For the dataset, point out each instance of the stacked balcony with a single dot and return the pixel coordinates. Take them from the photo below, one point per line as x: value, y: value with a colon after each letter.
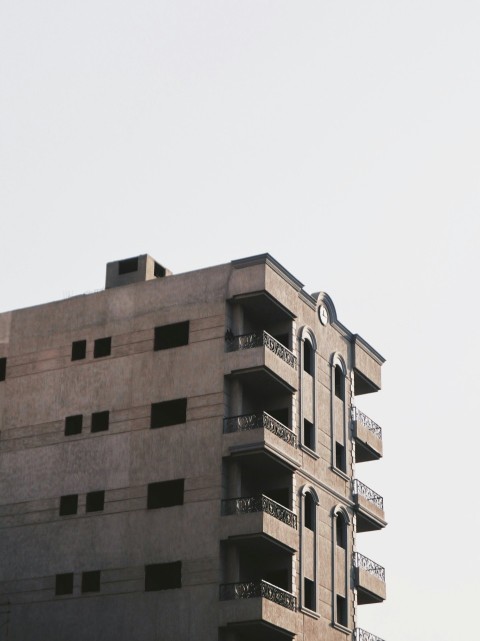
x: 363, y: 635
x: 368, y: 507
x: 369, y: 580
x: 368, y: 437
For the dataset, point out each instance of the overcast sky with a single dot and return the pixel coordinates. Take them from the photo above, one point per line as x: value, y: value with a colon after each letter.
x: 341, y: 137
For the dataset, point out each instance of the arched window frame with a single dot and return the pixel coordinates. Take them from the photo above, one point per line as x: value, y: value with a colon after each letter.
x: 307, y: 334
x: 338, y: 364
x: 340, y: 512
x: 310, y: 491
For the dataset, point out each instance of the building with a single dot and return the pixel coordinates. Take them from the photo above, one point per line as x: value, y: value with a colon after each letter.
x: 178, y: 460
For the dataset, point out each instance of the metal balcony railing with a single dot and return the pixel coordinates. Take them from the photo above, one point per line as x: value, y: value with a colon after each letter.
x: 259, y: 339
x: 259, y: 420
x: 357, y: 415
x: 367, y: 493
x: 262, y: 503
x: 256, y: 589
x: 360, y: 561
x: 363, y: 635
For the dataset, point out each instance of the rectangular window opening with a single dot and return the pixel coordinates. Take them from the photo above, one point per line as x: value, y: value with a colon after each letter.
x: 68, y: 504
x: 127, y: 266
x: 309, y: 594
x: 73, y: 424
x: 340, y: 457
x: 342, y: 610
x: 165, y: 494
x: 158, y: 271
x: 163, y: 576
x: 174, y: 335
x: 3, y: 368
x: 102, y: 347
x: 91, y: 581
x: 168, y: 413
x: 308, y: 434
x: 64, y: 583
x: 79, y: 350
x: 100, y: 421
x: 95, y: 501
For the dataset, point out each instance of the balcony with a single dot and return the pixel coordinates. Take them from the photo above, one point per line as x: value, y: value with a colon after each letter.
x: 259, y: 420
x: 249, y: 352
x: 368, y: 437
x: 369, y: 580
x: 260, y: 514
x: 363, y: 635
x: 369, y: 508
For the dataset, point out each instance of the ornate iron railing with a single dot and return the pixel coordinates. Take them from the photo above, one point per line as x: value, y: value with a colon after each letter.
x: 366, y: 492
x: 363, y: 635
x: 357, y: 415
x: 256, y: 589
x: 262, y: 503
x: 360, y: 561
x: 259, y: 339
x: 259, y: 420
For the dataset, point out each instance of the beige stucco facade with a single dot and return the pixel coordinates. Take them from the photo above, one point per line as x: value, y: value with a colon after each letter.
x: 193, y: 477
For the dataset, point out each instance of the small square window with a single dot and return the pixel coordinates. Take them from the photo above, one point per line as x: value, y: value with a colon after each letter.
x: 68, y: 504
x: 91, y: 581
x: 79, y: 350
x: 100, y: 421
x: 165, y: 494
x: 64, y: 583
x: 95, y: 501
x: 163, y: 576
x: 174, y: 335
x: 102, y: 347
x: 3, y: 368
x: 73, y: 424
x: 168, y: 413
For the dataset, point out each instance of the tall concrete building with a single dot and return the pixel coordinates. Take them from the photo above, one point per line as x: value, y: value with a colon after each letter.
x: 178, y: 461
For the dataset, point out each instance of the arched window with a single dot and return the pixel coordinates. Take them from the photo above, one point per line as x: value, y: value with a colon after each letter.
x: 339, y: 383
x: 308, y: 390
x: 341, y: 531
x: 308, y: 359
x: 308, y: 549
x: 309, y: 514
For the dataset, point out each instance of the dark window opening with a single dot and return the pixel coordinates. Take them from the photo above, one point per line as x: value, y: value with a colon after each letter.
x: 341, y: 532
x: 73, y: 424
x: 308, y: 359
x: 127, y: 266
x: 79, y: 350
x: 163, y: 576
x: 283, y: 339
x: 158, y: 270
x: 339, y: 383
x: 309, y: 594
x: 102, y: 347
x: 309, y: 519
x: 308, y: 434
x: 280, y: 578
x: 165, y: 494
x: 280, y: 495
x: 174, y: 335
x: 280, y: 415
x: 95, y: 501
x: 68, y: 504
x: 100, y: 421
x: 64, y: 583
x: 168, y: 413
x: 342, y: 610
x: 91, y: 581
x: 3, y: 368
x: 340, y: 457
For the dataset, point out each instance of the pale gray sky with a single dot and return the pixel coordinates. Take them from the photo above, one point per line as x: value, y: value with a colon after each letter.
x: 341, y: 137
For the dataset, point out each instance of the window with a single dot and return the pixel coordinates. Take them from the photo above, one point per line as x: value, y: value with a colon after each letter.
x: 102, y: 347
x: 308, y: 434
x: 68, y: 504
x: 127, y: 266
x: 168, y: 413
x: 100, y: 421
x: 91, y: 581
x: 174, y: 335
x: 95, y: 501
x: 165, y: 494
x: 158, y: 270
x: 3, y: 368
x: 163, y: 576
x: 341, y: 532
x: 309, y: 594
x: 340, y: 457
x: 342, y: 610
x: 79, y: 350
x: 308, y: 359
x: 339, y: 383
x: 64, y: 584
x: 309, y: 520
x: 73, y: 424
